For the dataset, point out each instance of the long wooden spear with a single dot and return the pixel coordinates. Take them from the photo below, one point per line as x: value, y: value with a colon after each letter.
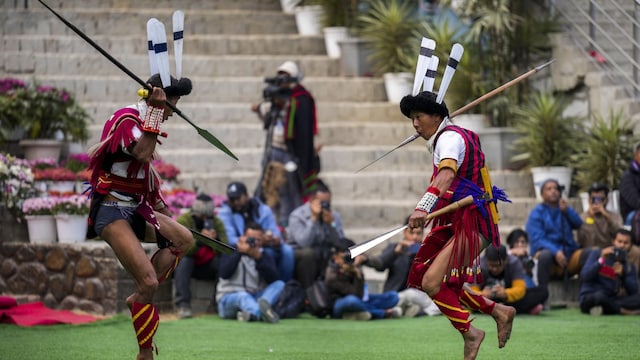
x: 202, y: 132
x: 475, y: 102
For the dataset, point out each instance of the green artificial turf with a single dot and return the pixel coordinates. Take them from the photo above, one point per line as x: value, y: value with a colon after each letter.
x: 556, y: 334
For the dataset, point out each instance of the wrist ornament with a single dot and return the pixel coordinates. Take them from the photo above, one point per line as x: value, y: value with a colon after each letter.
x: 429, y: 200
x: 153, y: 118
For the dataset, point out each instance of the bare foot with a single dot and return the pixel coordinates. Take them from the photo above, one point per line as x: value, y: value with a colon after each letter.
x: 503, y: 315
x: 472, y: 340
x: 145, y: 354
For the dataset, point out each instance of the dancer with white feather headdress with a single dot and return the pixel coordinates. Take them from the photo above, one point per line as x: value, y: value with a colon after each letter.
x: 127, y: 205
x: 447, y: 257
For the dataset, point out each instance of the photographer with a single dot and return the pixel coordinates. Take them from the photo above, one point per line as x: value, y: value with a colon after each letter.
x: 239, y: 210
x: 314, y: 229
x: 504, y: 281
x: 609, y: 280
x: 349, y: 293
x: 249, y: 285
x: 599, y: 225
x: 550, y: 227
x: 288, y: 114
x: 200, y: 261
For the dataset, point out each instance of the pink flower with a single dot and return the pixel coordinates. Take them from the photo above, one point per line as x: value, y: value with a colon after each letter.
x: 39, y: 206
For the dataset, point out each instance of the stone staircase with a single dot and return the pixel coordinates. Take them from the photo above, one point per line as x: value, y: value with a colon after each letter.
x: 610, y: 84
x: 230, y: 46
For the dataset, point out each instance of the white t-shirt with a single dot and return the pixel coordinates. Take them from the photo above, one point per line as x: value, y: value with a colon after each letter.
x: 450, y: 145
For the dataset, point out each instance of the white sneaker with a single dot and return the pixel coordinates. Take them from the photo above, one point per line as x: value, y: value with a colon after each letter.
x: 184, y: 312
x: 596, y: 310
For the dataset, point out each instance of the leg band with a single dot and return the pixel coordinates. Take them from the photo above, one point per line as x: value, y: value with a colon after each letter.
x: 145, y: 323
x: 174, y: 264
x: 447, y: 301
x: 476, y: 302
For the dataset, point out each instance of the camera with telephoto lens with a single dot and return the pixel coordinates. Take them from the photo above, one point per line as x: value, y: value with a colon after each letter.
x: 619, y: 255
x: 274, y: 89
x: 251, y: 241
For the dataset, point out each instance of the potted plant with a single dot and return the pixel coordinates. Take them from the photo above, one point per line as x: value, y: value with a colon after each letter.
x: 59, y: 180
x: 308, y: 15
x: 338, y: 16
x: 16, y: 183
x: 71, y: 218
x: 391, y: 32
x: 607, y: 152
x: 47, y: 114
x: 41, y: 224
x: 548, y: 138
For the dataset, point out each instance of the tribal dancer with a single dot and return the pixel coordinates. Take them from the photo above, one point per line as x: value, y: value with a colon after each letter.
x: 446, y: 258
x: 127, y: 206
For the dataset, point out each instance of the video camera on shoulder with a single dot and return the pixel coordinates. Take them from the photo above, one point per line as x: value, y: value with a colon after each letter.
x: 274, y: 89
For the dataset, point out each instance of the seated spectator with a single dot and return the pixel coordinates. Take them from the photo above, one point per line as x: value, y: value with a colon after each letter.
x: 630, y: 194
x: 503, y: 281
x: 349, y: 293
x: 598, y: 224
x: 314, y: 229
x: 397, y: 259
x: 609, y: 280
x: 518, y: 242
x: 249, y: 285
x: 240, y: 209
x: 200, y: 261
x: 550, y: 228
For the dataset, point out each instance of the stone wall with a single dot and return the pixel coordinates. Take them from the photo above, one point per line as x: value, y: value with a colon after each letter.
x: 86, y: 276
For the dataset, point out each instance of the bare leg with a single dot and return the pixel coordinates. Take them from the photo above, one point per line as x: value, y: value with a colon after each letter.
x: 132, y: 256
x: 472, y: 341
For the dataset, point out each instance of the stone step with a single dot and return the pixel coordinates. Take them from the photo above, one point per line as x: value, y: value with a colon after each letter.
x: 205, y: 114
x: 123, y: 21
x: 246, y: 135
x: 271, y: 5
x: 334, y: 158
x: 221, y: 89
x: 259, y: 65
x: 194, y: 44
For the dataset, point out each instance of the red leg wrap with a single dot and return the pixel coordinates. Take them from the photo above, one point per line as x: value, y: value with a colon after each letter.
x: 476, y: 302
x: 174, y: 264
x: 145, y: 322
x: 447, y: 301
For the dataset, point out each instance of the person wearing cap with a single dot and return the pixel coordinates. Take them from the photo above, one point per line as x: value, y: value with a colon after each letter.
x: 599, y: 225
x: 201, y: 261
x: 127, y: 206
x: 289, y: 116
x: 240, y: 209
x: 445, y: 261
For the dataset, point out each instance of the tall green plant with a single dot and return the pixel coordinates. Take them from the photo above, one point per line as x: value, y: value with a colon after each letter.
x: 547, y: 137
x: 608, y: 149
x: 512, y: 37
x: 391, y: 30
x: 339, y: 12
